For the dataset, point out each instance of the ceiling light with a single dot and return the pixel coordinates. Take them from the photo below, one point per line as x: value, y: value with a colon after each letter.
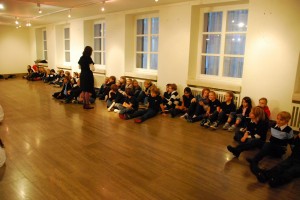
x: 1, y: 6
x: 103, y: 8
x: 156, y: 0
x: 69, y: 15
x: 17, y: 22
x: 39, y: 6
x: 28, y: 24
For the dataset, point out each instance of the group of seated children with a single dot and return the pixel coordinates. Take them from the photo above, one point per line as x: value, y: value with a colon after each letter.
x: 251, y: 124
x: 253, y: 134
x: 71, y: 91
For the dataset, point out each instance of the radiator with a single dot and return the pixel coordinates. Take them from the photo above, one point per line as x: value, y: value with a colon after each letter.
x: 295, y: 120
x: 220, y: 94
x: 98, y: 79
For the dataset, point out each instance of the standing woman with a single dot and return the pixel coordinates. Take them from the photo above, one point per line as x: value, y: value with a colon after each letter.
x: 86, y: 64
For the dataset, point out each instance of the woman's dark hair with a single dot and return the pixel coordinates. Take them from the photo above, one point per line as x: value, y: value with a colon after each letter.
x: 87, y: 51
x: 248, y: 101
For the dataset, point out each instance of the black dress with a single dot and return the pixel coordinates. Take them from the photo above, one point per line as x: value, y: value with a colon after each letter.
x: 86, y: 75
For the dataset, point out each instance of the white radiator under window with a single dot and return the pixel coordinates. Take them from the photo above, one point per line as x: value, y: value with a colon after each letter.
x: 220, y: 94
x: 295, y: 120
x: 98, y: 80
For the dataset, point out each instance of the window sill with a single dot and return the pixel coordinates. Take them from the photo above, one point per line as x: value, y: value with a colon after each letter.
x: 145, y: 76
x: 64, y: 67
x: 214, y: 84
x: 296, y: 98
x: 99, y: 71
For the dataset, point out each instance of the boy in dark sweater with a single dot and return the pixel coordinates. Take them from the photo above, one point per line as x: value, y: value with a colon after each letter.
x: 154, y: 106
x: 130, y: 104
x: 281, y: 136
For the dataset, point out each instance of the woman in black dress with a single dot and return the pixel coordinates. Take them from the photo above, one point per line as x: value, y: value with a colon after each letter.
x: 86, y: 76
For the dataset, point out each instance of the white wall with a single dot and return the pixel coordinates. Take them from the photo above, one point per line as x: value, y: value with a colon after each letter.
x: 77, y: 42
x: 174, y: 36
x: 15, y: 50
x: 115, y: 45
x: 272, y: 52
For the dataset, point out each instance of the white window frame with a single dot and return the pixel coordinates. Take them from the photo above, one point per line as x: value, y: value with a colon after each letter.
x: 224, y: 9
x: 149, y: 35
x: 64, y: 46
x: 101, y: 66
x: 45, y: 49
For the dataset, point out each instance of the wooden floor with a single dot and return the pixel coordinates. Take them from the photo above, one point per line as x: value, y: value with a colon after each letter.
x: 59, y: 151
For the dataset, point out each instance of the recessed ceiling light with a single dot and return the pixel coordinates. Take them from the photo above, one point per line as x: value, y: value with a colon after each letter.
x: 1, y: 6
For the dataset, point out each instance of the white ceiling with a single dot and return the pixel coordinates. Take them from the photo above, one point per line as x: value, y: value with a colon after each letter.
x: 58, y: 10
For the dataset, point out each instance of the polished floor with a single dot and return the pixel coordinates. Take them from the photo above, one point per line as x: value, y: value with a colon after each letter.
x: 59, y: 151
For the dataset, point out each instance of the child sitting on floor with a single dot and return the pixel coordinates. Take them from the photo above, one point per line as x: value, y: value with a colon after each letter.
x: 154, y: 106
x: 227, y: 107
x: 281, y: 136
x: 285, y: 171
x: 130, y: 104
x: 186, y: 102
x: 239, y: 116
x: 213, y: 110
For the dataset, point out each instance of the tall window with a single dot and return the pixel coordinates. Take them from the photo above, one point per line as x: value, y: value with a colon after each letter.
x: 147, y: 35
x: 223, y: 39
x: 67, y: 44
x: 45, y: 51
x: 99, y: 43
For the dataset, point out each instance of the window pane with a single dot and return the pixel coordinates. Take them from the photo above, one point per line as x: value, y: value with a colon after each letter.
x: 155, y: 25
x: 212, y: 22
x: 153, y: 61
x: 142, y: 26
x: 67, y: 44
x: 235, y: 44
x: 97, y: 30
x: 97, y: 58
x: 237, y: 21
x: 233, y: 67
x: 210, y: 65
x: 211, y: 43
x: 45, y: 45
x: 103, y: 44
x: 104, y: 60
x: 141, y: 60
x: 67, y: 56
x: 44, y: 35
x: 142, y: 44
x: 97, y: 44
x: 154, y: 44
x: 67, y: 33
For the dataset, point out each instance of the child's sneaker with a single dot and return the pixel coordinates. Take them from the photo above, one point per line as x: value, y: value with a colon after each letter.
x: 138, y: 120
x: 126, y: 116
x: 207, y: 123
x: 226, y: 126
x: 231, y: 128
x: 214, y: 125
x: 111, y: 107
x: 184, y: 116
x: 121, y: 116
x: 203, y: 121
x: 116, y: 111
